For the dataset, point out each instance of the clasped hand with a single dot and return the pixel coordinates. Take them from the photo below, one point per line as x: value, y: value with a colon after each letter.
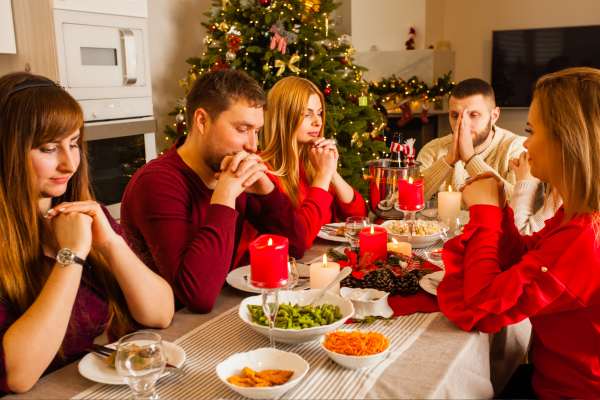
x: 485, y: 188
x: 243, y: 172
x: 79, y: 225
x: 462, y: 142
x: 324, y: 156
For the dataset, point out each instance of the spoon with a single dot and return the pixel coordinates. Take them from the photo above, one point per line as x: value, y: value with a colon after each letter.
x: 341, y: 275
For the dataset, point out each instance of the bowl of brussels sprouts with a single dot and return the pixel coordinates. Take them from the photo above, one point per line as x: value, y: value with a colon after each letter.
x: 298, y: 320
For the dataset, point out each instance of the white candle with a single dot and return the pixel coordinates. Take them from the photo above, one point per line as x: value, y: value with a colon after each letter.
x: 399, y: 247
x: 321, y: 273
x: 449, y: 205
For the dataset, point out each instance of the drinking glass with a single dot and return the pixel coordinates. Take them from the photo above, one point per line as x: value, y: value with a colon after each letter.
x: 454, y: 225
x: 141, y: 360
x: 270, y: 305
x: 293, y: 274
x: 352, y: 228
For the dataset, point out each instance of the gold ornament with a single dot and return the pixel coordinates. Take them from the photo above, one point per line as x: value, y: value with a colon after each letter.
x: 223, y: 26
x: 281, y: 65
x: 312, y: 5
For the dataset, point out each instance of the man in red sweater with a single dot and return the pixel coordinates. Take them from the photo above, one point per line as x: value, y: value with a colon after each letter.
x: 184, y: 211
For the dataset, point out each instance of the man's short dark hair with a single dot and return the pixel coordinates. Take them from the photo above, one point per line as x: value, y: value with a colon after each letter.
x: 216, y: 91
x: 472, y: 87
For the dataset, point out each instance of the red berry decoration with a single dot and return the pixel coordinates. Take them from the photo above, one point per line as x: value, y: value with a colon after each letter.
x: 327, y: 91
x: 265, y: 3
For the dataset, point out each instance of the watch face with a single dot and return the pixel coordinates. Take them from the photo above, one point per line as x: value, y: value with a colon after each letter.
x: 65, y: 256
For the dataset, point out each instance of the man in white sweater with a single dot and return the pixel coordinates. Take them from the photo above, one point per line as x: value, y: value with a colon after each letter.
x: 476, y: 144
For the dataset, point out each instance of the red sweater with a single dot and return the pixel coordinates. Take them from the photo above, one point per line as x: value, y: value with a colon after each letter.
x: 170, y: 223
x: 495, y: 277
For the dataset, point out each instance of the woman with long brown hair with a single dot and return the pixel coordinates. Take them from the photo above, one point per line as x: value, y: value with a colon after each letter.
x: 305, y: 162
x: 66, y: 274
x: 496, y: 277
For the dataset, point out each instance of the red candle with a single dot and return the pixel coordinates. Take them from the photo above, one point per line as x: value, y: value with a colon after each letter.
x: 373, y: 243
x: 268, y: 261
x: 410, y: 194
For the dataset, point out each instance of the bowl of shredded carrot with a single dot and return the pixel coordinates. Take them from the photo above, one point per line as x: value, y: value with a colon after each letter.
x: 356, y: 349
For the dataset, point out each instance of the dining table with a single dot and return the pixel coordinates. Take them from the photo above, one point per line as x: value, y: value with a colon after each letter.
x: 433, y: 358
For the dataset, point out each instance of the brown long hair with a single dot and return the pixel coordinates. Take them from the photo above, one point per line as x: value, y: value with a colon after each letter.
x: 569, y: 104
x: 33, y: 111
x: 286, y: 105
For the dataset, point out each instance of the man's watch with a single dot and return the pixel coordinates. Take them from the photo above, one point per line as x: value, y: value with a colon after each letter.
x: 66, y: 256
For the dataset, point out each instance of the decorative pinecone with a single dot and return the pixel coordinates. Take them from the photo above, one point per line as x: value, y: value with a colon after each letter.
x: 352, y: 282
x: 381, y: 279
x: 407, y: 284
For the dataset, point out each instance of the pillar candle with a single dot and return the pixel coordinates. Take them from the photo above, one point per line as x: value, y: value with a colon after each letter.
x: 373, y: 243
x: 268, y: 261
x: 449, y: 205
x: 322, y: 273
x: 399, y: 247
x: 411, y: 194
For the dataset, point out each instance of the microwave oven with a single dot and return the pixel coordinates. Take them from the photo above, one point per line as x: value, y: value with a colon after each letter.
x: 103, y: 62
x: 116, y: 149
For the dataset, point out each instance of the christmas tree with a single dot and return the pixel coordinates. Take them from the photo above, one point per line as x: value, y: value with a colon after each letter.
x: 271, y: 39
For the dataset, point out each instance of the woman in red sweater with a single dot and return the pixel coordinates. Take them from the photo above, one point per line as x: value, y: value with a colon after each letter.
x: 496, y: 277
x: 305, y: 162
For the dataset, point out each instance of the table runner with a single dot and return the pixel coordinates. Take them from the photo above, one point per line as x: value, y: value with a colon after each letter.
x: 226, y: 334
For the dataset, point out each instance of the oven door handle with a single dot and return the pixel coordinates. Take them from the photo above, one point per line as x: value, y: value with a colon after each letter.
x: 129, y: 56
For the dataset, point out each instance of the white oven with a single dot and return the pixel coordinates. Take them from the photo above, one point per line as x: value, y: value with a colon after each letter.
x: 103, y: 62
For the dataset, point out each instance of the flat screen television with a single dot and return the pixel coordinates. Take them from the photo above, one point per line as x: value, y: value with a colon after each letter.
x: 520, y: 57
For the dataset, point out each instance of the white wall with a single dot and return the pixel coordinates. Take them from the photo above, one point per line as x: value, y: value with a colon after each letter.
x: 175, y: 34
x: 385, y: 23
x: 468, y: 25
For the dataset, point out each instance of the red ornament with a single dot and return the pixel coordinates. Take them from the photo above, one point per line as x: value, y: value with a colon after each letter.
x: 233, y: 42
x: 327, y: 91
x: 344, y: 61
x: 265, y: 3
x: 219, y: 65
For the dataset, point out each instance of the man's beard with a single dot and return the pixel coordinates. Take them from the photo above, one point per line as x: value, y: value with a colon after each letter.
x: 483, y: 134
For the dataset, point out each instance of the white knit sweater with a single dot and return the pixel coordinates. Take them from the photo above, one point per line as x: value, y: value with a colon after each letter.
x: 438, y: 174
x: 531, y: 207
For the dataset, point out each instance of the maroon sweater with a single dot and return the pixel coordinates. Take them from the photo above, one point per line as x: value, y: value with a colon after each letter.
x: 170, y: 223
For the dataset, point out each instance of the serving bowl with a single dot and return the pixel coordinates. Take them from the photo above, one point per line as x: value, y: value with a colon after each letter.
x: 300, y: 297
x: 258, y: 360
x: 368, y: 302
x: 355, y: 362
x: 397, y: 230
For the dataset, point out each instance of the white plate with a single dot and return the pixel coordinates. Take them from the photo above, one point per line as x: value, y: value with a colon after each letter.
x: 95, y: 369
x: 430, y: 282
x: 334, y: 238
x: 238, y: 278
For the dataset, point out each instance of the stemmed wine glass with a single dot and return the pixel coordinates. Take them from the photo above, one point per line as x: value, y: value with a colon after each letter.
x: 352, y: 228
x: 141, y: 360
x: 270, y: 268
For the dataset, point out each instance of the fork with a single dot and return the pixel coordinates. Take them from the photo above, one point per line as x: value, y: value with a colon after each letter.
x: 106, y: 351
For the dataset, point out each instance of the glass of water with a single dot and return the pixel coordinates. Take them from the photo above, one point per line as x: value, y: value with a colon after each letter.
x: 352, y: 228
x: 141, y: 360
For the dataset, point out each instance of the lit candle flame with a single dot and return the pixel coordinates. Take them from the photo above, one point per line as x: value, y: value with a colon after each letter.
x: 394, y: 241
x: 449, y: 188
x: 270, y: 242
x: 410, y: 180
x: 372, y: 229
x: 324, y: 260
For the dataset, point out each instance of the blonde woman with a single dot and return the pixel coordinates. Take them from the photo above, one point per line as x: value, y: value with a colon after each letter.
x: 66, y: 275
x: 294, y: 147
x: 496, y: 277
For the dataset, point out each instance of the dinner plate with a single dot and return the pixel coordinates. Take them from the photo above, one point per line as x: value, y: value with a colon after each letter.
x: 94, y: 368
x: 430, y: 282
x: 239, y: 277
x: 325, y: 234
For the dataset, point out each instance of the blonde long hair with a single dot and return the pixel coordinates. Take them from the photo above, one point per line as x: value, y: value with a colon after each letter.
x: 569, y: 104
x: 286, y: 105
x: 35, y: 111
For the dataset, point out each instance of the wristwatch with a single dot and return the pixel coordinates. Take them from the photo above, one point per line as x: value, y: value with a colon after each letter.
x: 66, y: 256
